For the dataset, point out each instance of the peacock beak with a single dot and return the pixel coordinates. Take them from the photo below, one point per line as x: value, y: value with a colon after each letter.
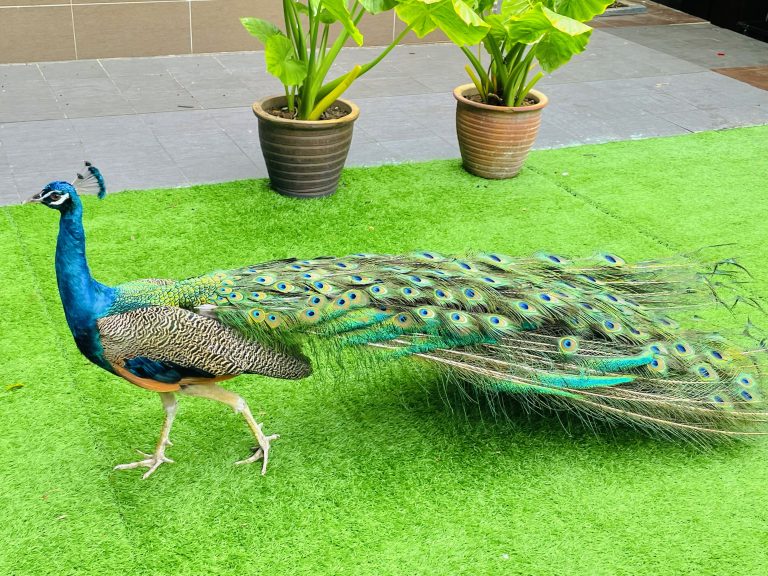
x: 34, y: 199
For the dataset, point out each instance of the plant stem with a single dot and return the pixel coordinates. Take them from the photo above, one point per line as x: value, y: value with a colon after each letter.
x: 475, y: 61
x: 331, y: 96
x: 336, y: 81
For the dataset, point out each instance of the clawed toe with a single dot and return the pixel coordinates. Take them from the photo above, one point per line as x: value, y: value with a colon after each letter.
x: 151, y: 461
x: 260, y: 452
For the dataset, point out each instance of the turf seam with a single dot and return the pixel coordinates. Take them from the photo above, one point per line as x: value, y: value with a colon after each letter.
x: 599, y: 207
x: 97, y: 447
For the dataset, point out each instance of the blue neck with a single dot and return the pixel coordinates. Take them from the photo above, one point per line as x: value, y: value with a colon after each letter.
x: 84, y: 299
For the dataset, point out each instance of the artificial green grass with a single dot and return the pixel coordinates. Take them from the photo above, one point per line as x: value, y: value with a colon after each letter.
x: 374, y: 473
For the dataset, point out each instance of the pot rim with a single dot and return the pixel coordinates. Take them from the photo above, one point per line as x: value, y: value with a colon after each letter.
x: 460, y: 93
x: 262, y: 114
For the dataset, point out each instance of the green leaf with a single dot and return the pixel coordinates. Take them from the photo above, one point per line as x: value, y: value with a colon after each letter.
x: 262, y: 29
x: 581, y: 10
x: 498, y: 29
x: 516, y: 7
x: 564, y: 23
x: 338, y: 9
x: 377, y: 6
x: 454, y: 17
x: 531, y: 26
x: 282, y: 62
x: 302, y: 8
x: 556, y: 48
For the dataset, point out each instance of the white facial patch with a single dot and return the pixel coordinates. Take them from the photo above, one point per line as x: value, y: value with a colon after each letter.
x: 64, y: 197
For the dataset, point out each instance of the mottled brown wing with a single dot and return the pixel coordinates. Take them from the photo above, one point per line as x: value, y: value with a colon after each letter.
x: 191, y: 341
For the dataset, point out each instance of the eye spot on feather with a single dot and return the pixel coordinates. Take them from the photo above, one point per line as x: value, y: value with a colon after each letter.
x: 718, y: 399
x: 553, y: 258
x: 586, y: 305
x: 545, y: 297
x: 494, y: 320
x: 256, y: 316
x: 568, y: 344
x: 469, y: 293
x: 495, y: 258
x: 523, y: 305
x: 716, y: 355
x: 745, y: 380
x: 746, y: 395
x: 465, y: 266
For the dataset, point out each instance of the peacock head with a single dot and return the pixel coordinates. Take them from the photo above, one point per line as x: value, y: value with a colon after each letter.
x: 57, y: 195
x: 62, y: 196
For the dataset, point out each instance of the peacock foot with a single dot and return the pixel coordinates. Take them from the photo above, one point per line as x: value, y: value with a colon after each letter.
x: 151, y: 461
x: 261, y: 451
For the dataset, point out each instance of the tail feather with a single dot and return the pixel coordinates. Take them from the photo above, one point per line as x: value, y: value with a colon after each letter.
x: 595, y: 337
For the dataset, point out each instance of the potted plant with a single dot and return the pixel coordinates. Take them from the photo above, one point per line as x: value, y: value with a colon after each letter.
x: 306, y: 132
x: 498, y: 115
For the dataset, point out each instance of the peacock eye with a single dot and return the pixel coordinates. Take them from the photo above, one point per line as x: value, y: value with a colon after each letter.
x: 54, y: 196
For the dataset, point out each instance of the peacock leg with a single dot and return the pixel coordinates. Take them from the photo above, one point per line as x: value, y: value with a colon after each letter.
x: 239, y: 405
x: 153, y: 461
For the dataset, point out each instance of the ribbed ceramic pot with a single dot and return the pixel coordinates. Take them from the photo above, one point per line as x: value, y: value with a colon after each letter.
x: 304, y: 157
x: 495, y: 140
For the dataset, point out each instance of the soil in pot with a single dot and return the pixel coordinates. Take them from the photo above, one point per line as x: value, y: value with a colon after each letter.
x: 333, y: 112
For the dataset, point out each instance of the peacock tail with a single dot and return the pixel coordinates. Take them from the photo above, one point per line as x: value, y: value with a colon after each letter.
x: 593, y: 336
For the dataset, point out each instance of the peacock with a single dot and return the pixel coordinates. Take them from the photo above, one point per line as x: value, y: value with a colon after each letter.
x: 592, y: 336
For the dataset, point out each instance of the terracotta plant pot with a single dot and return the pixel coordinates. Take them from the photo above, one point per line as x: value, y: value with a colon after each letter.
x: 495, y: 140
x: 304, y: 157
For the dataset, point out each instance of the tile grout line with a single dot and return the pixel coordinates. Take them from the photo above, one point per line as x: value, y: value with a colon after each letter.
x: 74, y: 32
x: 191, y: 45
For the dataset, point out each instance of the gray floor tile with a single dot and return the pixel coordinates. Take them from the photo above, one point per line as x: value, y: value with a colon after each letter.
x: 134, y: 66
x: 370, y: 154
x: 703, y: 44
x: 421, y: 148
x: 147, y: 83
x: 163, y: 102
x: 72, y: 72
x: 14, y: 74
x: 217, y: 170
x: 123, y: 176
x: 223, y: 97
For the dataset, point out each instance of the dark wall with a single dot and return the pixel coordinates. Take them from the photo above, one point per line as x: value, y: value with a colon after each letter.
x: 725, y: 13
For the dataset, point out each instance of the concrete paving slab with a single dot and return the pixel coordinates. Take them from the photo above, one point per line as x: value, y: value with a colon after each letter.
x: 703, y: 44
